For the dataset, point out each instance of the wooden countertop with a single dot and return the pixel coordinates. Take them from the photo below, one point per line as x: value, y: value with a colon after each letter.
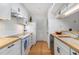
x: 73, y: 43
x: 4, y: 41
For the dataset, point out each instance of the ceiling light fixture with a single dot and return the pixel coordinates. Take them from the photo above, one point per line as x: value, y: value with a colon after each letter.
x: 72, y: 10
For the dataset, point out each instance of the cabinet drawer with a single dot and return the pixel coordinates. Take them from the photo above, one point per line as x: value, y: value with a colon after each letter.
x: 65, y: 47
x: 4, y: 51
x: 62, y: 45
x: 64, y: 52
x: 14, y: 48
x: 13, y: 53
x: 16, y: 45
x: 56, y: 50
x: 73, y: 52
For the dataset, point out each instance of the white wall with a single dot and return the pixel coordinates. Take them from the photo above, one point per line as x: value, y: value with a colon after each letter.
x: 9, y: 27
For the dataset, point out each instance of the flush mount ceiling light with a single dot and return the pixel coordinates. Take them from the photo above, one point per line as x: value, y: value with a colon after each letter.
x: 72, y: 10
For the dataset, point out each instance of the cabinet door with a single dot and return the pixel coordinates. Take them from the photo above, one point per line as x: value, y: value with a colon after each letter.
x: 64, y: 49
x: 16, y: 48
x: 4, y: 51
x: 12, y: 49
x: 64, y: 52
x: 61, y: 48
x: 56, y: 47
x: 20, y: 13
x: 5, y: 11
x: 57, y: 50
x: 21, y: 21
x: 73, y: 52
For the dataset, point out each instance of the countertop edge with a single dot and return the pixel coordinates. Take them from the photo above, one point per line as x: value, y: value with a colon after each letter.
x: 9, y: 43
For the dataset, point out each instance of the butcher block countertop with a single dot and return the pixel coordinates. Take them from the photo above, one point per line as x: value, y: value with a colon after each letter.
x: 5, y: 41
x: 66, y: 39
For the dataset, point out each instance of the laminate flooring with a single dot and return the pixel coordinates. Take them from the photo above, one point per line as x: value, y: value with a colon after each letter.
x: 40, y: 48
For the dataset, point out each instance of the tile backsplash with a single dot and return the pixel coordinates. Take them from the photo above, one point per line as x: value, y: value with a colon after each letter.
x: 9, y: 28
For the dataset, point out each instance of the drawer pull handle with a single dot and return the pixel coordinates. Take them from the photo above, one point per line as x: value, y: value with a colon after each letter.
x: 58, y: 49
x: 10, y: 46
x: 74, y: 53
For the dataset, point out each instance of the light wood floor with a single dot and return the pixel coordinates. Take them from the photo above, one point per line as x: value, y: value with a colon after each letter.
x: 40, y: 48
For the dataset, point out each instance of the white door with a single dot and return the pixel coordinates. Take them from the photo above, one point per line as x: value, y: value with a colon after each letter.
x: 42, y: 29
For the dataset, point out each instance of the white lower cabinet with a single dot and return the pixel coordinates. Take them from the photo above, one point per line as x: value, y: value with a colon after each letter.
x: 73, y: 52
x: 56, y: 47
x: 56, y: 50
x: 64, y: 52
x: 12, y: 49
x: 60, y: 48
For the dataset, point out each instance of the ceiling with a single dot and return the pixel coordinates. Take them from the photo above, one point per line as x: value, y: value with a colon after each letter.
x: 37, y: 8
x: 42, y: 8
x: 56, y: 7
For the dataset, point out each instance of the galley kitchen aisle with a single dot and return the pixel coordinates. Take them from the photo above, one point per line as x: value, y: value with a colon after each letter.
x: 39, y: 29
x: 39, y: 13
x: 23, y: 28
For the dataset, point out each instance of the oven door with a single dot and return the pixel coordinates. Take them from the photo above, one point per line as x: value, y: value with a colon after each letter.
x: 24, y: 45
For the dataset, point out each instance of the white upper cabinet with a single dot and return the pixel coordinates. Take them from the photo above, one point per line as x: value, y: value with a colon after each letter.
x: 18, y: 11
x: 5, y: 11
